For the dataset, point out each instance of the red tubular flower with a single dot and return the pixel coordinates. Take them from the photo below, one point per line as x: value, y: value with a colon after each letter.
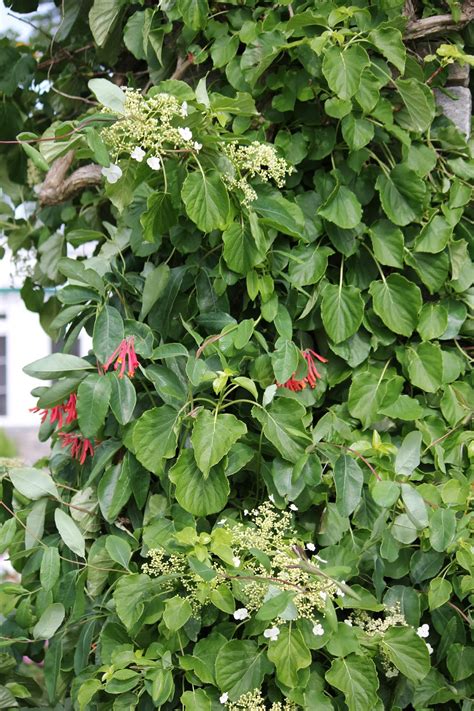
x: 56, y: 413
x: 123, y: 353
x: 312, y: 376
x: 80, y: 446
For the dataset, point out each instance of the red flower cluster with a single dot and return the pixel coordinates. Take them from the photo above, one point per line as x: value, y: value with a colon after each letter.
x: 80, y: 446
x: 309, y: 379
x: 62, y: 414
x: 125, y: 351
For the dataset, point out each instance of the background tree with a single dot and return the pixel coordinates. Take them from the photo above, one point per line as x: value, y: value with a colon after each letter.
x: 258, y: 490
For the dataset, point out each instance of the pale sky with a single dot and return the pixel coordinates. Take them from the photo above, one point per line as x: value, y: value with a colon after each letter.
x: 7, y: 24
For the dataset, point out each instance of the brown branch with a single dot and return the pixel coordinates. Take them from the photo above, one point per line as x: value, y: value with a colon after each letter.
x: 182, y: 65
x: 438, y: 24
x: 56, y: 188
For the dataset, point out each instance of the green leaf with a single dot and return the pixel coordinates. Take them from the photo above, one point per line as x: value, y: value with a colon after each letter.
x: 387, y: 243
x: 289, y: 653
x: 425, y: 366
x: 397, y: 302
x: 123, y: 398
x: 442, y: 529
x: 403, y: 529
x: 404, y: 408
x: 196, y: 700
x: 176, y: 613
x: 434, y: 236
x: 282, y: 425
x: 285, y: 360
x: 155, y: 284
x: 108, y: 333
x: 241, y: 253
x: 240, y: 667
x: 357, y: 132
x: 432, y: 322
x: 155, y: 437
x: 224, y: 49
x: 342, y: 208
x: 93, y: 397
x: 33, y: 483
x: 115, y: 488
x: 206, y: 200
x: 70, y: 533
x: 159, y: 218
x: 308, y: 265
x: 49, y: 622
x: 407, y: 652
x: 56, y: 366
x: 402, y: 194
x: 194, y: 13
x: 102, y: 18
x: 366, y: 394
x: 131, y: 594
x: 460, y: 661
x: 357, y: 678
x: 342, y: 310
x: 385, y: 493
x: 108, y: 94
x: 439, y: 592
x: 419, y: 101
x: 409, y: 454
x: 213, y: 436
x: 278, y: 212
x: 415, y: 505
x: 199, y: 495
x: 119, y: 550
x: 50, y: 567
x: 342, y: 69
x: 390, y: 43
x: 348, y: 478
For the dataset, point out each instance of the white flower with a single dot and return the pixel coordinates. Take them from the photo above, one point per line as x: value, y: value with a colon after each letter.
x: 185, y: 133
x: 154, y: 162
x: 246, y: 512
x: 311, y: 547
x: 293, y: 507
x: 197, y: 146
x: 323, y: 595
x: 236, y: 561
x: 341, y: 592
x: 272, y: 498
x: 430, y: 648
x: 321, y: 560
x: 112, y: 173
x: 184, y: 109
x: 241, y: 614
x: 348, y: 623
x: 318, y: 630
x: 138, y: 154
x: 224, y: 698
x: 272, y: 633
x: 423, y: 631
x: 221, y: 522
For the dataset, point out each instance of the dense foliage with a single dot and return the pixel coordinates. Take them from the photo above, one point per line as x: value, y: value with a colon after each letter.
x: 258, y: 494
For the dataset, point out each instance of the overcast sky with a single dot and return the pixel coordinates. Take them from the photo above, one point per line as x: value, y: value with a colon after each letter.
x: 9, y: 24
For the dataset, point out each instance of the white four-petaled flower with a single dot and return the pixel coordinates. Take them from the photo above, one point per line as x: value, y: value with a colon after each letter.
x: 154, y: 162
x: 184, y: 109
x: 430, y: 648
x: 272, y: 633
x: 318, y: 630
x: 185, y: 133
x: 311, y: 547
x: 236, y: 561
x: 241, y: 614
x: 112, y: 173
x: 323, y: 595
x: 341, y: 592
x: 197, y: 146
x: 423, y: 631
x: 138, y: 154
x: 224, y: 698
x: 293, y: 507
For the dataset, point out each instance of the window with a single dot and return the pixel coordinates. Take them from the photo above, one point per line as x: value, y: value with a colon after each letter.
x: 3, y: 375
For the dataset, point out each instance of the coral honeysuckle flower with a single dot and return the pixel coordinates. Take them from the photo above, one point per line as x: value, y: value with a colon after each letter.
x: 80, y: 446
x: 312, y: 376
x: 124, y: 355
x: 57, y: 413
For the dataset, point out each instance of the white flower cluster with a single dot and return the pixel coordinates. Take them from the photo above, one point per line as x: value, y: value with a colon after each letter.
x: 149, y: 128
x: 255, y: 160
x: 254, y: 701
